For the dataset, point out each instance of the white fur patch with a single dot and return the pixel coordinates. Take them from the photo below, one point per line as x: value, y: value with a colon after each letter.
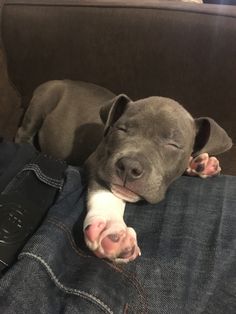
x: 104, y: 205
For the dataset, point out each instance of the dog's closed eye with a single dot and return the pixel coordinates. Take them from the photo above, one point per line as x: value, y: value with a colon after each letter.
x: 121, y: 128
x: 174, y: 145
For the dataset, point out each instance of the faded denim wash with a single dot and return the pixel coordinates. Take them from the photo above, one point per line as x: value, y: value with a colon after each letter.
x: 188, y: 262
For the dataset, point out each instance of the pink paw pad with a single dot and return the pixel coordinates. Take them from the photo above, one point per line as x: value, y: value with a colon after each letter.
x: 93, y: 231
x: 112, y: 240
x: 203, y: 166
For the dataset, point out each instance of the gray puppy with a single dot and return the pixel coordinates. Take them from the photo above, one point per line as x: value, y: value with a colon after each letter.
x: 132, y: 150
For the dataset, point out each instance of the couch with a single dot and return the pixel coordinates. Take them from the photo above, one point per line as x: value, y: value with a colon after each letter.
x: 180, y: 50
x: 141, y: 48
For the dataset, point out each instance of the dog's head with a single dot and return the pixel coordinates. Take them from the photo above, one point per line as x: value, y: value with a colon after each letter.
x: 147, y: 144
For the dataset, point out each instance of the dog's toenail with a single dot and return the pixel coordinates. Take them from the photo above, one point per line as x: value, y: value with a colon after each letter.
x: 114, y: 237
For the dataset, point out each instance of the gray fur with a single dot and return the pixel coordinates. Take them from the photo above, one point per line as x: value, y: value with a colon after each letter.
x: 145, y: 145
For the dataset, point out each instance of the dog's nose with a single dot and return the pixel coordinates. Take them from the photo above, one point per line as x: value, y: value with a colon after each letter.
x: 129, y: 169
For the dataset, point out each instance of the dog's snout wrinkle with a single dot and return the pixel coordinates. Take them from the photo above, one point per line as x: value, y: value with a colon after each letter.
x: 129, y: 169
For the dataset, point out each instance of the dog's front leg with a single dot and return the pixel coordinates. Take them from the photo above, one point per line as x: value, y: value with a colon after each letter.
x: 105, y: 231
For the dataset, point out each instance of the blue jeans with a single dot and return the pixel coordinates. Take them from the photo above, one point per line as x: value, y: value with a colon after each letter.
x: 188, y: 262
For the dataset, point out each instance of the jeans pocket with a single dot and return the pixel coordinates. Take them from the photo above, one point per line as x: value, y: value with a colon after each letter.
x: 107, y: 287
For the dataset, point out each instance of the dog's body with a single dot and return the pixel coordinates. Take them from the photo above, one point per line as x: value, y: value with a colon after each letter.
x: 70, y: 134
x: 144, y: 146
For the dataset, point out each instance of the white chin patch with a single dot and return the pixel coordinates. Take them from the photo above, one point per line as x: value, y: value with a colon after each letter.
x: 124, y: 194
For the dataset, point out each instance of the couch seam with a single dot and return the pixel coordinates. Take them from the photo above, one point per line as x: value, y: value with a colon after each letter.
x: 163, y: 7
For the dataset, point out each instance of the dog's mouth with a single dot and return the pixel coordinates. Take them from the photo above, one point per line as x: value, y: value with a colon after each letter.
x: 124, y: 193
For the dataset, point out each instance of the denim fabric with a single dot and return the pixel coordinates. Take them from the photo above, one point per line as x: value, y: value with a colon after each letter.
x: 188, y: 262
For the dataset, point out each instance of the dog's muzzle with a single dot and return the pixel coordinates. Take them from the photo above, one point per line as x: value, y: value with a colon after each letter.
x: 124, y: 193
x: 129, y: 169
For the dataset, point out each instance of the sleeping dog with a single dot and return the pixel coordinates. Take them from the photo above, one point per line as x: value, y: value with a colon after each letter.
x: 131, y: 150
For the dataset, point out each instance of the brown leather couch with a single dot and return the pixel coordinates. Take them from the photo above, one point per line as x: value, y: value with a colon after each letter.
x: 141, y: 48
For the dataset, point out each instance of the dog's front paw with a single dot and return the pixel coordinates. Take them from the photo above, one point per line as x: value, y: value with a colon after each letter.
x: 111, y: 239
x: 203, y: 166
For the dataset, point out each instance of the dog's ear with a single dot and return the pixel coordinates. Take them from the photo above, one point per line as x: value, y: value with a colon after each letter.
x: 112, y: 110
x: 210, y: 138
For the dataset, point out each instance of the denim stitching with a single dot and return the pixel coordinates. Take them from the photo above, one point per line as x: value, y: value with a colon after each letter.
x: 38, y: 171
x: 133, y: 279
x: 69, y: 237
x: 57, y: 183
x: 83, y: 294
x: 126, y: 307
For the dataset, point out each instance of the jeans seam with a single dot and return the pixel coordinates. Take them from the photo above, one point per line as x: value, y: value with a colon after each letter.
x: 85, y: 295
x: 57, y: 183
x: 69, y: 237
x: 136, y: 284
x: 126, y: 308
x: 131, y: 277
